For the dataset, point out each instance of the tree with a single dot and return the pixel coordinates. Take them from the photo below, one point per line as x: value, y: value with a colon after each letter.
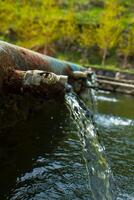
x: 87, y: 40
x: 126, y: 44
x: 87, y: 36
x: 68, y: 28
x: 110, y: 27
x: 38, y: 23
x: 7, y: 18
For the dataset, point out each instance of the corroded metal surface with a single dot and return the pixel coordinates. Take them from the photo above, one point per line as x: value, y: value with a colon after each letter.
x: 38, y: 77
x: 35, y: 82
x: 17, y: 58
x: 24, y: 72
x: 25, y: 92
x: 24, y: 59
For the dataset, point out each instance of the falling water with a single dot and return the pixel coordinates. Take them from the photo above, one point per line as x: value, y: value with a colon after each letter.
x: 97, y: 168
x: 56, y: 153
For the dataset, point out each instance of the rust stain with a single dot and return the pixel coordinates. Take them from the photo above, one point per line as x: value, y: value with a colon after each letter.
x: 17, y: 58
x: 68, y: 70
x: 24, y: 59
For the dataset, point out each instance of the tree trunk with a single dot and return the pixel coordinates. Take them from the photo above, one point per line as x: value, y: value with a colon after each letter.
x: 104, y: 56
x: 125, y: 61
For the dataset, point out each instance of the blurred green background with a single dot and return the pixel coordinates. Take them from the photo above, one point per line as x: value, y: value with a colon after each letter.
x: 89, y: 32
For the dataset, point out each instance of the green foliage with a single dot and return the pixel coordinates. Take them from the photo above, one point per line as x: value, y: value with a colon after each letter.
x: 126, y: 42
x: 110, y: 27
x: 87, y: 36
x: 8, y: 15
x: 35, y: 23
x: 89, y: 26
x: 90, y: 16
x: 68, y: 28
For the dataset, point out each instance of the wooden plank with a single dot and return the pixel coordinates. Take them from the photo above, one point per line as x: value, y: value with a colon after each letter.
x: 115, y: 79
x: 116, y: 83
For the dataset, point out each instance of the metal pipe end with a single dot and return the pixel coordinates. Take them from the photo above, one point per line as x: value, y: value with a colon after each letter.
x: 63, y: 79
x: 79, y: 74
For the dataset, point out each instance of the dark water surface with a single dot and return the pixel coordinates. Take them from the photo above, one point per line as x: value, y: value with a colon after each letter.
x: 57, y: 153
x: 116, y: 132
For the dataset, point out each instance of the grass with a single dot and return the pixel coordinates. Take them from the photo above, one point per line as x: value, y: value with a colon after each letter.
x: 89, y: 17
x: 75, y: 58
x: 111, y: 68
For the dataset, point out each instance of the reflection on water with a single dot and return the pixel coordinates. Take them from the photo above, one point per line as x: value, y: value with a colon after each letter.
x: 123, y: 105
x: 116, y: 132
x: 110, y: 121
x: 103, y: 98
x: 56, y: 154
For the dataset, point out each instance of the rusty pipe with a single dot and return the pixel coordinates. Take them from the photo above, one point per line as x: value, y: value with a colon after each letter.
x: 19, y: 58
x: 36, y: 82
x: 23, y: 59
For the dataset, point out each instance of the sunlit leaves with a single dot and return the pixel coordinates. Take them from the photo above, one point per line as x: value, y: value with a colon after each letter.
x: 126, y: 43
x: 87, y: 37
x: 110, y: 26
x: 88, y: 25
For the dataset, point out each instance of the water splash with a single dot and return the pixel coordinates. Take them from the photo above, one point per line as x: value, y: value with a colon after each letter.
x: 98, y: 171
x: 107, y: 99
x: 113, y: 122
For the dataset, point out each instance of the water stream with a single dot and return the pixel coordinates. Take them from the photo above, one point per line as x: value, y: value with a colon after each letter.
x: 98, y: 171
x: 65, y: 153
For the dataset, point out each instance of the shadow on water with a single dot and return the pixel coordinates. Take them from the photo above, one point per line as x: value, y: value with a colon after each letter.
x: 27, y: 141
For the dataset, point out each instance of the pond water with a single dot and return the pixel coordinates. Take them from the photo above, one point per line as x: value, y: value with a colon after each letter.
x: 64, y: 153
x: 115, y: 122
